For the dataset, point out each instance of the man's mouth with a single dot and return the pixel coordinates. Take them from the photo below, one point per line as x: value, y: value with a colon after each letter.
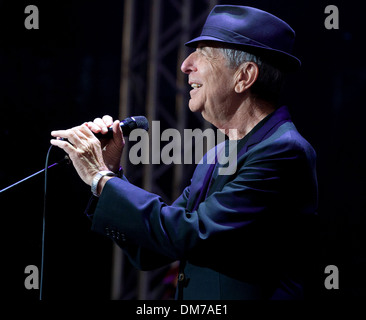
x: 196, y: 85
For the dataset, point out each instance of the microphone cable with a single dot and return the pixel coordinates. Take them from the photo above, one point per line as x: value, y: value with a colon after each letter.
x: 66, y: 160
x: 44, y: 223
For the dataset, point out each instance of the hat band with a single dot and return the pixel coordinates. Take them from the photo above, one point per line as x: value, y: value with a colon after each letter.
x: 230, y: 36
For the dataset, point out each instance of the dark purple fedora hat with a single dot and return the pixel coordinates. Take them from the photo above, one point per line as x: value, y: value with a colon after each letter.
x: 251, y: 30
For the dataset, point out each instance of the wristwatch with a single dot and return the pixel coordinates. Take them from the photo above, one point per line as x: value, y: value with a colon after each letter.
x: 97, y: 177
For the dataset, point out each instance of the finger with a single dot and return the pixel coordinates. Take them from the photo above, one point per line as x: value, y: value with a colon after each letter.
x: 64, y: 145
x: 93, y: 127
x: 108, y: 120
x: 74, y: 135
x: 99, y: 122
x: 65, y: 135
x: 117, y: 132
x: 85, y: 132
x: 58, y: 133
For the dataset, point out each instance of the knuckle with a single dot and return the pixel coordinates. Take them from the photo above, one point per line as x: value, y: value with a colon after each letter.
x: 71, y: 132
x: 107, y: 118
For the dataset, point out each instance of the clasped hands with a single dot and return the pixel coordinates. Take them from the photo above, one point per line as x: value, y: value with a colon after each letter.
x: 88, y: 154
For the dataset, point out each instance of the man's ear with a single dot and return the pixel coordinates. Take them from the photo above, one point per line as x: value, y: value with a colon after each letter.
x: 246, y: 75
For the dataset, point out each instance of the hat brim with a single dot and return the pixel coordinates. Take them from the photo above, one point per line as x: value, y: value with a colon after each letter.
x: 280, y: 59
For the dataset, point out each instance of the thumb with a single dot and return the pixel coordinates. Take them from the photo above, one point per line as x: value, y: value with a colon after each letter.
x: 118, y: 134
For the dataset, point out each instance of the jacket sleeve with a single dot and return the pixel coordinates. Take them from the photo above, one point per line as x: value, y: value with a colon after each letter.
x: 253, y: 199
x: 141, y: 256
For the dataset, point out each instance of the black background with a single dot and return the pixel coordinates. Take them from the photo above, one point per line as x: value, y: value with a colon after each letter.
x: 68, y: 72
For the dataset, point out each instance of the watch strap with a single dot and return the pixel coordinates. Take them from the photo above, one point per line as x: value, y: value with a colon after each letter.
x: 96, y: 179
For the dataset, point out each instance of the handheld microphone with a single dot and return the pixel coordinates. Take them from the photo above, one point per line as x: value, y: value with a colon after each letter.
x: 127, y: 125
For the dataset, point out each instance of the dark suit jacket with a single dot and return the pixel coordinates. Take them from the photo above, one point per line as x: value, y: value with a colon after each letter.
x: 249, y: 235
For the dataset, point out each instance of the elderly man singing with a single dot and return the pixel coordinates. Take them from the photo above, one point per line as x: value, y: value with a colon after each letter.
x: 245, y: 235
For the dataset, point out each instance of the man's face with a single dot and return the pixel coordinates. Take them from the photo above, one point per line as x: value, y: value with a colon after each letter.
x: 213, y: 83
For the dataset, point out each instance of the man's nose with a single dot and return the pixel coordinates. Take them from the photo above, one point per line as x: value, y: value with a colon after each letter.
x: 188, y: 64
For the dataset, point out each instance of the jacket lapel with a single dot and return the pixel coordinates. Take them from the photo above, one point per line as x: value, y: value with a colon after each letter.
x: 276, y: 119
x: 271, y: 123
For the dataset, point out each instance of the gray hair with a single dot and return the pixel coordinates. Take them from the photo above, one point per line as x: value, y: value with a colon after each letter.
x: 270, y: 79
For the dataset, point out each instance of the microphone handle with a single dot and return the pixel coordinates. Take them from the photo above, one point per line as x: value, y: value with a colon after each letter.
x: 108, y: 135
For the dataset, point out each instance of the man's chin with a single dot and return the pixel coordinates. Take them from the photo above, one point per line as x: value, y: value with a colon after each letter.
x: 193, y: 107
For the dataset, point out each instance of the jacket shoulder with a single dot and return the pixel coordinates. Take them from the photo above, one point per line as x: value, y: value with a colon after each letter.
x: 285, y: 138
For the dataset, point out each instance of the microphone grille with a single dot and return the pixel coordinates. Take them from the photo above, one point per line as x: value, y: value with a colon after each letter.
x: 141, y: 122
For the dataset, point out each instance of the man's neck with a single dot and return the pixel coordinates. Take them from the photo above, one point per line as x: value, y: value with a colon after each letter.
x: 246, y: 117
